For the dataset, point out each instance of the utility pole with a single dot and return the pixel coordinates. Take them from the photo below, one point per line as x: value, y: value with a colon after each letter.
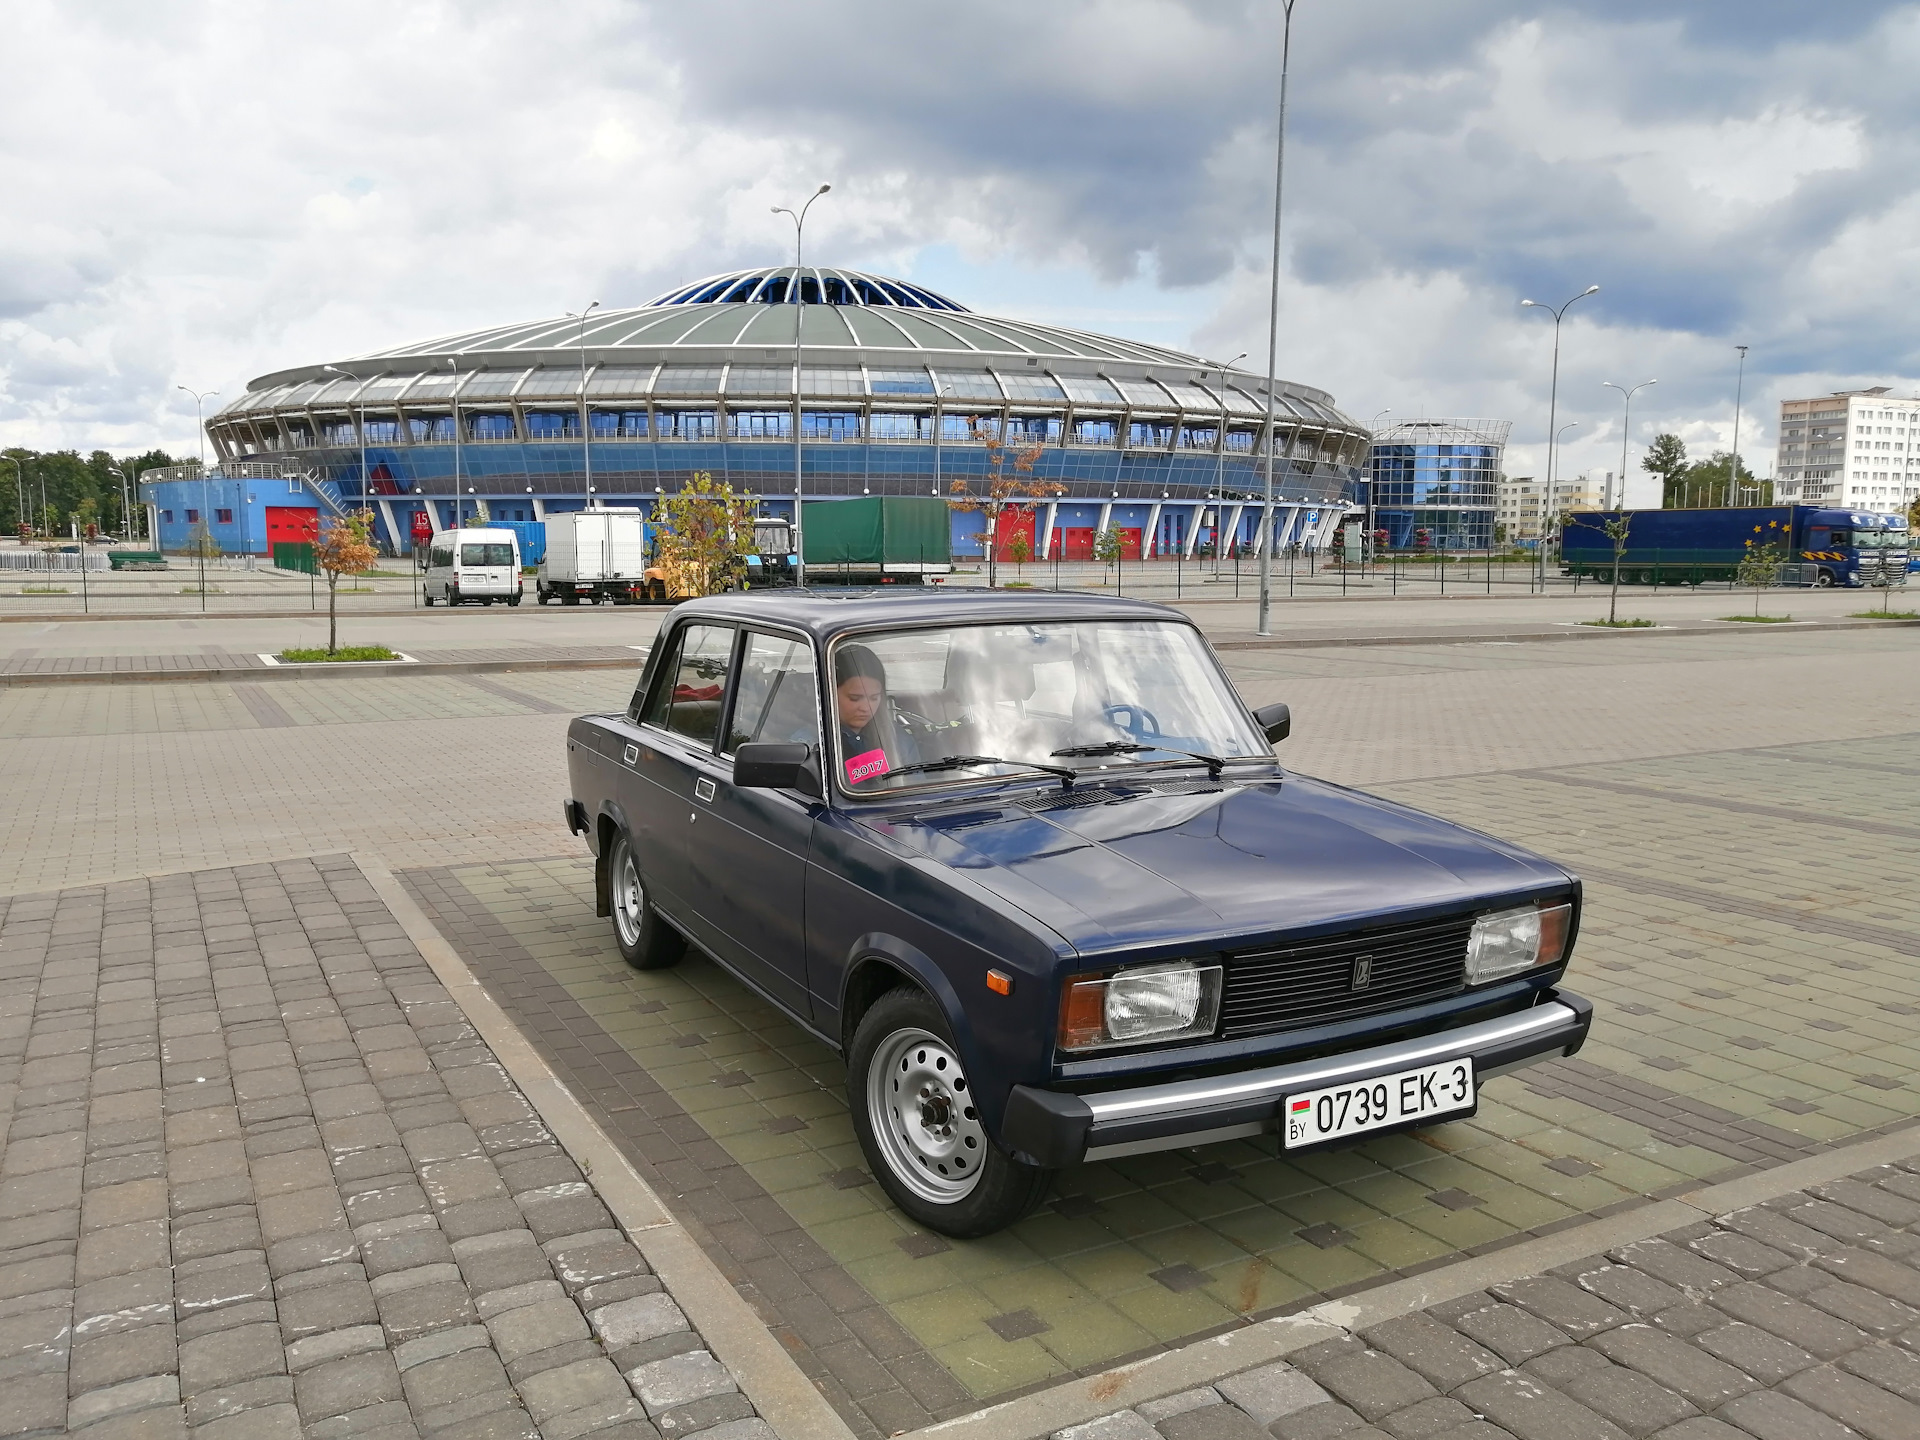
x: 206, y: 519
x: 1553, y: 412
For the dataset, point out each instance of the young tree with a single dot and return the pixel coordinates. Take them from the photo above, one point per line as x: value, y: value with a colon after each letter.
x: 1106, y: 547
x: 1667, y: 458
x: 1012, y: 495
x: 1759, y: 567
x: 701, y: 532
x: 345, y: 547
x: 1019, y: 551
x: 1615, y: 530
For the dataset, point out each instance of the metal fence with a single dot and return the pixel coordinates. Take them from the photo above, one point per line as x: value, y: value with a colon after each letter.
x: 45, y: 561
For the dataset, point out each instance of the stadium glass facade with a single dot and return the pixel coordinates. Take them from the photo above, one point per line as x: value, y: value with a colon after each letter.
x: 899, y: 391
x: 1435, y: 484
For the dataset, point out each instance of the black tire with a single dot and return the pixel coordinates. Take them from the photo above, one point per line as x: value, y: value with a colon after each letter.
x: 453, y: 596
x: 426, y: 597
x: 1823, y: 579
x: 513, y: 600
x: 939, y: 1166
x: 646, y: 941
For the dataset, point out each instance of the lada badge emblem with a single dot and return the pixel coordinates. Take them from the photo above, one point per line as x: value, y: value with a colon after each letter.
x: 1363, y: 972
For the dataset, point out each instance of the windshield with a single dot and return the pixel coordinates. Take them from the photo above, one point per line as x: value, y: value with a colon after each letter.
x: 1082, y: 696
x: 1880, y: 539
x: 478, y: 555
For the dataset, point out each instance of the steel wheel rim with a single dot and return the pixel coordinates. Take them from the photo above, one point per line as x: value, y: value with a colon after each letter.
x: 921, y: 1109
x: 629, y: 898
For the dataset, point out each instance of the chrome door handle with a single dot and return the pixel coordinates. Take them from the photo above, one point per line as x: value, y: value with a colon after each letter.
x: 703, y: 789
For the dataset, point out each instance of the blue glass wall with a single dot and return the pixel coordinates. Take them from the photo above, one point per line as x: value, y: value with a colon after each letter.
x: 1449, y: 491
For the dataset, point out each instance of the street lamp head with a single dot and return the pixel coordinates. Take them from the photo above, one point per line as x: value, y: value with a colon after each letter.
x: 1525, y: 303
x: 823, y: 189
x: 1591, y: 290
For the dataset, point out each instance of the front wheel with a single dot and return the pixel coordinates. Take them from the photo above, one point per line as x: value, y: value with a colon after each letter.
x: 913, y: 1110
x: 646, y: 941
x: 513, y: 600
x: 1823, y: 580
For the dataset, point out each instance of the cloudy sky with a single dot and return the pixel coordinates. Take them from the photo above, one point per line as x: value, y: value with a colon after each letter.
x: 202, y: 191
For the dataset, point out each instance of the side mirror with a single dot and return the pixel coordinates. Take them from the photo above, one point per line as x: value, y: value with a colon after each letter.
x: 1276, y: 721
x: 769, y: 765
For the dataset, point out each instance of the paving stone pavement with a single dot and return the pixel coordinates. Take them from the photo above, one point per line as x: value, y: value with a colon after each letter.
x: 260, y: 1178
x: 1796, y: 1319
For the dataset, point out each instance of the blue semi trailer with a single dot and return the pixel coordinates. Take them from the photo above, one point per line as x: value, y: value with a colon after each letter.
x: 1687, y: 547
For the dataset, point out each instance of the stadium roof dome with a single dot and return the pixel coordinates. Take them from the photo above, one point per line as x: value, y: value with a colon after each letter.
x: 845, y: 317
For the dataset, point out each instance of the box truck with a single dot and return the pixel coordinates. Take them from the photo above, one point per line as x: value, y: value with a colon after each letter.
x: 594, y: 555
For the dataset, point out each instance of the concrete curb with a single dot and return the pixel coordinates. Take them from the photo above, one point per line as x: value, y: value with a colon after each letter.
x: 738, y: 1337
x: 1040, y: 1414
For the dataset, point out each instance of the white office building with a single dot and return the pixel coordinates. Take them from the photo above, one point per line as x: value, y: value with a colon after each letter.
x: 1854, y: 448
x: 1524, y: 503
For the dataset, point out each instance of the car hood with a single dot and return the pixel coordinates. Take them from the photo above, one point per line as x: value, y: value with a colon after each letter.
x: 1137, y: 866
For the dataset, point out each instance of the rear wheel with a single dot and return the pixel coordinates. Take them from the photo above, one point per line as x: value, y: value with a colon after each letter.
x: 914, y: 1113
x: 646, y: 941
x: 513, y: 600
x: 426, y: 597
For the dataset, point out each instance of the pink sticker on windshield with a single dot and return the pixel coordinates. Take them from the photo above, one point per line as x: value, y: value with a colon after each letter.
x: 867, y: 766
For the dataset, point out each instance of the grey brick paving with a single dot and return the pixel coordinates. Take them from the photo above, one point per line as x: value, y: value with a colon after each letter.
x: 260, y: 1179
x: 1663, y: 1338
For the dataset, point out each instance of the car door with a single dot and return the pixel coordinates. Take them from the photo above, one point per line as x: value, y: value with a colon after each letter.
x: 748, y: 853
x: 672, y: 759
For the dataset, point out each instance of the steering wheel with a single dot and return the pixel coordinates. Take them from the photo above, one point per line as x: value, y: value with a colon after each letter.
x: 1140, y: 722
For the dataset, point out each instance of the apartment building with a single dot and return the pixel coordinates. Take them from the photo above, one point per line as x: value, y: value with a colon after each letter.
x: 1857, y: 448
x: 1523, y: 500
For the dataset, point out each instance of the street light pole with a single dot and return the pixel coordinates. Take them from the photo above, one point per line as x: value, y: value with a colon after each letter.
x: 1373, y: 469
x: 1264, y: 626
x: 1553, y: 410
x: 1626, y: 419
x: 1220, y: 448
x: 586, y: 429
x: 206, y: 521
x: 454, y: 396
x: 359, y: 413
x: 20, y: 482
x: 1733, y: 470
x: 799, y: 315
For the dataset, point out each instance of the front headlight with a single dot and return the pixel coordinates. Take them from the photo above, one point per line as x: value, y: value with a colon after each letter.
x: 1511, y: 941
x: 1169, y: 1000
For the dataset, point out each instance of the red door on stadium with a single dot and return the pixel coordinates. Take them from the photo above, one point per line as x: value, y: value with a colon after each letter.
x: 1009, y: 524
x: 291, y: 525
x: 1073, y: 542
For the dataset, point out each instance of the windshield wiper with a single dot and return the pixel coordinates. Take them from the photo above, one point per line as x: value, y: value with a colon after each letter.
x: 966, y: 762
x: 1213, y: 763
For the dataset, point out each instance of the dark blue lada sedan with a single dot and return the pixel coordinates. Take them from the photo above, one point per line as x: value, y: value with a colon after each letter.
x: 1029, y: 863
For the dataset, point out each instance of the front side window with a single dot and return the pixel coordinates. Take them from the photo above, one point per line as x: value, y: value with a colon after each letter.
x: 441, y: 557
x: 1096, y: 697
x: 477, y: 556
x: 777, y: 699
x: 693, y: 691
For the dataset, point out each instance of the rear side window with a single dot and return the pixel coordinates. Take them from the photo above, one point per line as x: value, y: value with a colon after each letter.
x: 478, y: 555
x: 777, y: 699
x: 693, y: 686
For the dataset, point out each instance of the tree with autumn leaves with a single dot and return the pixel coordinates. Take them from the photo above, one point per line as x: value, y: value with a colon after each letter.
x: 701, y: 531
x: 1011, y: 491
x: 345, y: 547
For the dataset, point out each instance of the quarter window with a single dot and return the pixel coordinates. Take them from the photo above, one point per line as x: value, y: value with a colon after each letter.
x: 777, y: 699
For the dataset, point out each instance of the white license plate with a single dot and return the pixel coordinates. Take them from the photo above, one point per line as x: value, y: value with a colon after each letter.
x: 1374, y: 1104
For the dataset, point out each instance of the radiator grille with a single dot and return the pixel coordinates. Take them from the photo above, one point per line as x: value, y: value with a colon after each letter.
x: 1311, y: 983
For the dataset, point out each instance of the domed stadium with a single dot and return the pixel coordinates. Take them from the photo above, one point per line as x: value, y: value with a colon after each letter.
x: 900, y: 391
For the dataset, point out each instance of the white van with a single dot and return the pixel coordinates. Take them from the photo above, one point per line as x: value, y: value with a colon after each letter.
x: 468, y: 565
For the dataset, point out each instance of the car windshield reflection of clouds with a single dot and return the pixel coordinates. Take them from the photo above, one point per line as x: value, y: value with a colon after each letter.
x: 1023, y: 694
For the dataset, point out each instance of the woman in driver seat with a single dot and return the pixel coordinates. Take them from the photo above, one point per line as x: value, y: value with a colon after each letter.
x: 870, y: 743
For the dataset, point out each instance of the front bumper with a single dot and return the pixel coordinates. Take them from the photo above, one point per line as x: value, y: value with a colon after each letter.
x: 1054, y: 1128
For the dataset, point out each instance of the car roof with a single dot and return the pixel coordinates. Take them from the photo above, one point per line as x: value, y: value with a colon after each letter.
x: 829, y: 612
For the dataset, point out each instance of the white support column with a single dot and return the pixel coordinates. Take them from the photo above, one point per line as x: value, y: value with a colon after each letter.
x: 1106, y: 514
x: 1046, y: 533
x: 393, y: 530
x: 1193, y: 527
x: 1231, y: 530
x: 1151, y: 547
x: 539, y: 509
